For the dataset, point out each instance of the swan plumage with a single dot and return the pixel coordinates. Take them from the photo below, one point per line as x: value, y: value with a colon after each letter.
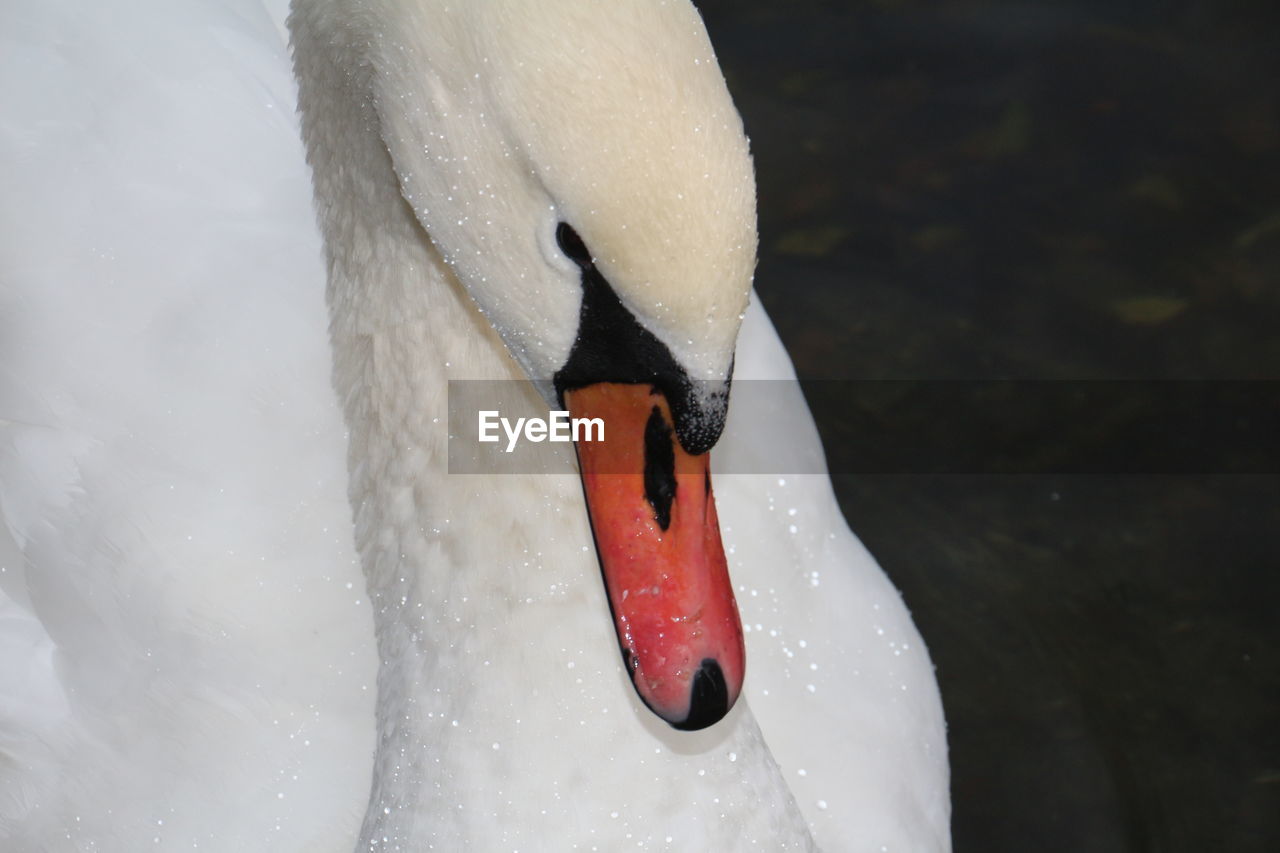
x: 186, y: 637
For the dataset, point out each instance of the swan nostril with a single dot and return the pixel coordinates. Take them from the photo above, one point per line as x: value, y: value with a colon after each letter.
x: 708, y: 700
x: 659, y: 467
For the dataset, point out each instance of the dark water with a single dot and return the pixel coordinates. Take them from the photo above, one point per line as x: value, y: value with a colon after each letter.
x: 1058, y: 190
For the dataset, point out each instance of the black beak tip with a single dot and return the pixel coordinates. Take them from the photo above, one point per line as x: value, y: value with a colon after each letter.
x: 708, y: 700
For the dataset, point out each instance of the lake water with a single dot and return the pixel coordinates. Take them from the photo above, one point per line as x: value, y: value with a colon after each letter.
x: 1075, y: 191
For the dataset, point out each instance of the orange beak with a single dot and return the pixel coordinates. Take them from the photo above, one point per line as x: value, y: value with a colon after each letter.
x: 653, y: 515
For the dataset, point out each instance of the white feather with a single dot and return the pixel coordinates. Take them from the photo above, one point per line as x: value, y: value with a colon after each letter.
x: 186, y: 646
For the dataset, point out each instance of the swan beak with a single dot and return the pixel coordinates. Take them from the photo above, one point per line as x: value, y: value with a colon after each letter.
x: 653, y: 515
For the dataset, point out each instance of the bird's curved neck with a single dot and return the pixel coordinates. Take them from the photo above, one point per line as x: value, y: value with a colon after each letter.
x: 499, y: 665
x: 401, y: 327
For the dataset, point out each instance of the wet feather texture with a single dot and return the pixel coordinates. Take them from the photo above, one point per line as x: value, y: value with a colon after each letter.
x: 229, y: 598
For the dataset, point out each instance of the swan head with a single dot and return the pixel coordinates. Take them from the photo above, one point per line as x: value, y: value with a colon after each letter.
x: 582, y: 169
x: 512, y: 125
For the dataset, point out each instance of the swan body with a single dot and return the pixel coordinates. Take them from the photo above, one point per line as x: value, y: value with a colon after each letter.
x: 187, y: 637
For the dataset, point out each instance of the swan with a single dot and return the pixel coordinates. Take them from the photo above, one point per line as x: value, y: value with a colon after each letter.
x: 241, y: 612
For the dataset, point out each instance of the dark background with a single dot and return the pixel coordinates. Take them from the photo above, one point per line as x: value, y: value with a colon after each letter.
x: 1080, y: 190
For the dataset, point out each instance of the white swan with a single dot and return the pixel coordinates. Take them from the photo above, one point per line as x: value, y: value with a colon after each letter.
x: 185, y: 643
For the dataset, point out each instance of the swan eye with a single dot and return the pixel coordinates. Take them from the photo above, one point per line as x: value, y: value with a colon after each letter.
x: 571, y: 244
